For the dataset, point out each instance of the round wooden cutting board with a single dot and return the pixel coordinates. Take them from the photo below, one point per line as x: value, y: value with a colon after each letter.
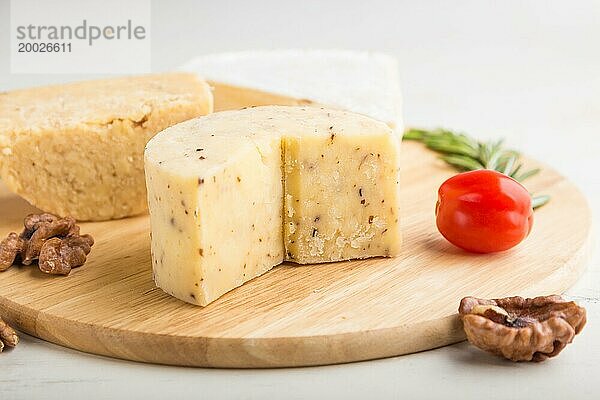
x: 296, y: 315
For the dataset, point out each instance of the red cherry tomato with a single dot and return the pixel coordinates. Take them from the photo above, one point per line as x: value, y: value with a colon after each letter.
x: 483, y: 211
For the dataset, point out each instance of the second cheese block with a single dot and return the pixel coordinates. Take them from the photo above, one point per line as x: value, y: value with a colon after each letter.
x: 358, y: 81
x: 77, y: 149
x: 235, y: 193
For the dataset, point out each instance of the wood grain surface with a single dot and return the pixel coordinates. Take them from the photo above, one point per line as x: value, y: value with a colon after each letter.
x: 296, y: 315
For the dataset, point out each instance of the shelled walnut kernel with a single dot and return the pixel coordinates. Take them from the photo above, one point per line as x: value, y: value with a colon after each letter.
x: 55, y: 242
x: 8, y: 336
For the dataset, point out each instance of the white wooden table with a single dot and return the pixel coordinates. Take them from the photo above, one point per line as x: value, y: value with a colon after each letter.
x: 528, y: 71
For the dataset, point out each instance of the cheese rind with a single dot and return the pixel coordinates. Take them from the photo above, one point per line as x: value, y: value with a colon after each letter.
x: 77, y: 149
x: 357, y: 81
x: 222, y: 190
x: 215, y: 212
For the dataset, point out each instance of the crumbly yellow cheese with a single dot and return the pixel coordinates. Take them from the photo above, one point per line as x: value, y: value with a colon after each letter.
x: 235, y: 193
x: 341, y: 193
x: 77, y: 149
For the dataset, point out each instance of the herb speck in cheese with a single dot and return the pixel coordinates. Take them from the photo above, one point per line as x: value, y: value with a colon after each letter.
x: 363, y: 161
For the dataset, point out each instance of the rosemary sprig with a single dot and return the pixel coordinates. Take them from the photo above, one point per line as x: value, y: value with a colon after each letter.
x: 467, y: 154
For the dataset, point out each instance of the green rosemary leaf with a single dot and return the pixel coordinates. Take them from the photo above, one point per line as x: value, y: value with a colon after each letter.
x: 444, y: 141
x: 461, y: 162
x: 467, y: 154
x: 494, y: 156
x: 508, y: 164
x: 527, y: 174
x: 538, y: 201
x: 515, y: 172
x: 414, y: 134
x: 450, y: 148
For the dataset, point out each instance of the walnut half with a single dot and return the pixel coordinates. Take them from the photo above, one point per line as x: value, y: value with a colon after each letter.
x: 55, y: 242
x: 8, y: 336
x: 522, y: 329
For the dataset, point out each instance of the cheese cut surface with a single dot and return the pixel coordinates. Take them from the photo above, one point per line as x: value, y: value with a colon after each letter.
x: 341, y: 195
x: 361, y: 82
x: 224, y: 190
x: 77, y: 149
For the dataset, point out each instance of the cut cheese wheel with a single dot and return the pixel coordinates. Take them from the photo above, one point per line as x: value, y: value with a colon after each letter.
x: 362, y: 82
x: 235, y: 193
x: 77, y: 149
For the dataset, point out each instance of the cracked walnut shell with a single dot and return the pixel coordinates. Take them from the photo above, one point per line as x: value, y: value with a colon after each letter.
x: 522, y: 329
